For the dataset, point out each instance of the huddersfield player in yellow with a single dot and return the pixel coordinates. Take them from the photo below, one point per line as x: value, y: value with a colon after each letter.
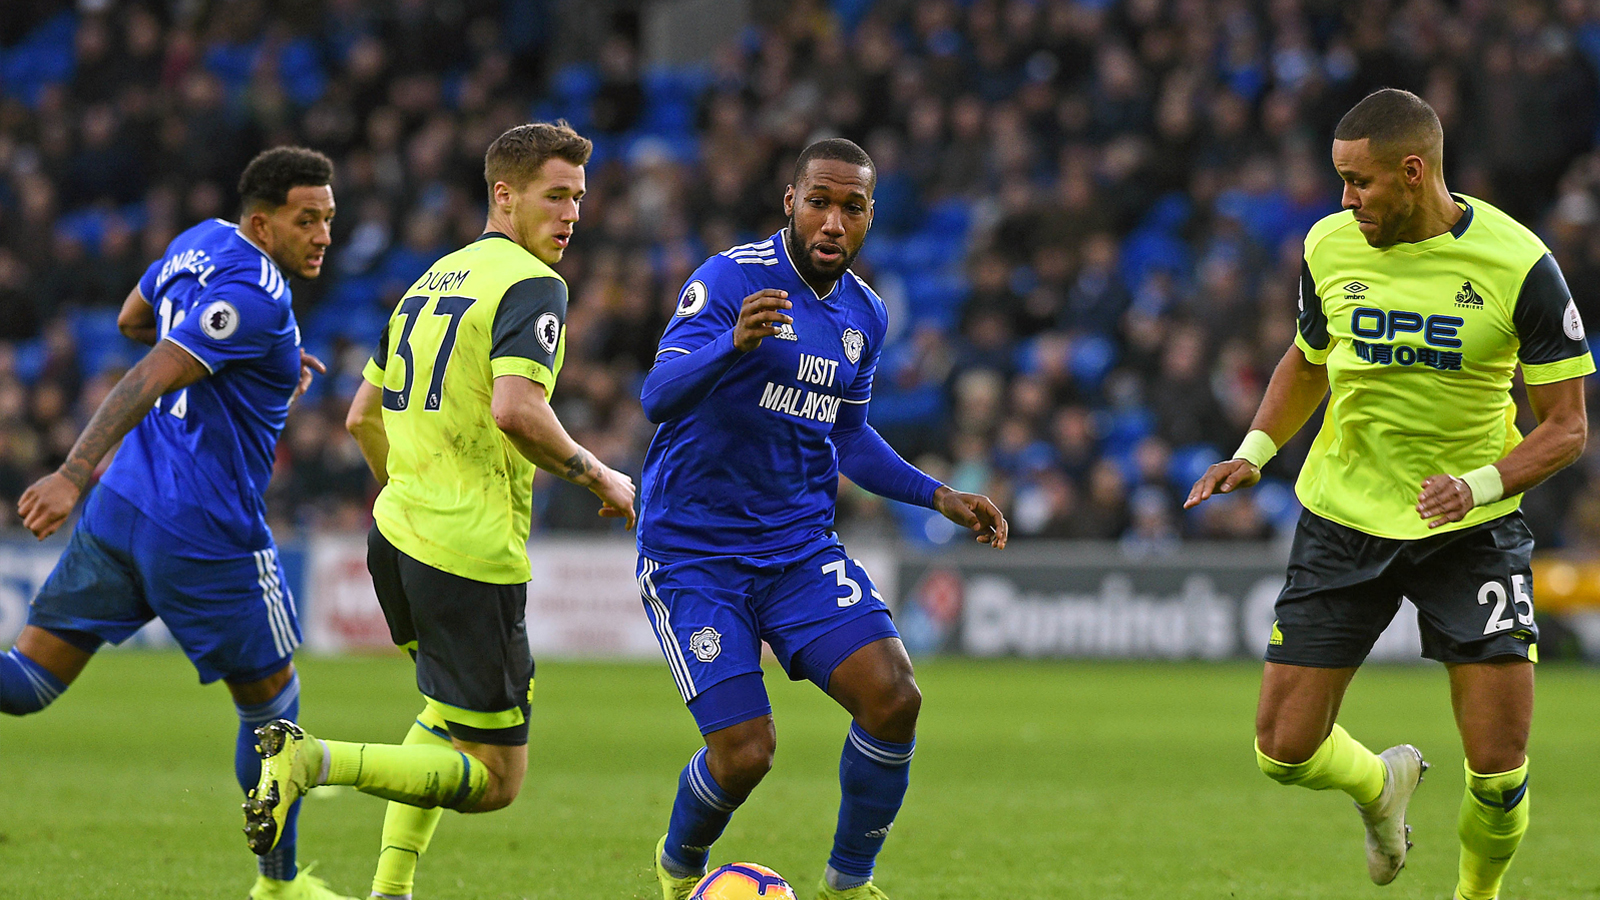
x: 453, y: 418
x: 1416, y: 306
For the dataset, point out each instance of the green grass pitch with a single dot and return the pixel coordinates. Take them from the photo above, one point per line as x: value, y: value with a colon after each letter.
x: 1032, y: 780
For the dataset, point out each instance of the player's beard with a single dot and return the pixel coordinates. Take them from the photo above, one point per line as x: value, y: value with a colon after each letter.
x: 802, y: 258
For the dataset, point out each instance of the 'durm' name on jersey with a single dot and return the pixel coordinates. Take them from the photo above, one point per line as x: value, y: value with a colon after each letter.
x: 1438, y: 331
x: 803, y: 402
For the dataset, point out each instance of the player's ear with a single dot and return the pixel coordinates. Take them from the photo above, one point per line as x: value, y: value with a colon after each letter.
x: 788, y: 200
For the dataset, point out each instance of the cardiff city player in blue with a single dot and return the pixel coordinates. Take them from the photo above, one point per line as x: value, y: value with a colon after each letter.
x: 177, y: 528
x: 760, y: 387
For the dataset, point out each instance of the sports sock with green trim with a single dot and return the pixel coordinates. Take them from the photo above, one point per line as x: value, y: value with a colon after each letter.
x: 1494, y: 815
x: 1340, y: 763
x: 408, y: 829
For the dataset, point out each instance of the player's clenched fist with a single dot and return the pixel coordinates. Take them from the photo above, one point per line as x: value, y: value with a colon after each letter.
x: 761, y: 316
x: 47, y: 503
x: 1221, y: 478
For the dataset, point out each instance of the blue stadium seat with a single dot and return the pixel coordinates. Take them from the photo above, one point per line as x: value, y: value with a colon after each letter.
x: 300, y: 72
x: 1188, y: 463
x: 1121, y: 429
x: 936, y: 298
x: 232, y: 63
x: 44, y: 57
x: 30, y: 359
x: 100, y: 343
x: 1091, y: 357
x: 1277, y: 502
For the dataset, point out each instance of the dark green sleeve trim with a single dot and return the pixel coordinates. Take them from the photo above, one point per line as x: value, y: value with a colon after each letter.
x: 1313, y: 322
x: 1545, y: 317
x: 529, y: 320
x: 381, y: 355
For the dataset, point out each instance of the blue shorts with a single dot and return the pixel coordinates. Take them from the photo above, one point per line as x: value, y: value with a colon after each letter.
x: 234, y: 617
x: 814, y: 607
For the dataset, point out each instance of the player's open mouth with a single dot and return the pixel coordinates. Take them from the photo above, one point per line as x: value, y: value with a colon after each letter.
x: 827, y: 252
x: 562, y: 240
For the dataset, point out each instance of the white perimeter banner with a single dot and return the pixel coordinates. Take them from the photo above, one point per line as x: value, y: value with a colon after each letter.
x: 583, y: 599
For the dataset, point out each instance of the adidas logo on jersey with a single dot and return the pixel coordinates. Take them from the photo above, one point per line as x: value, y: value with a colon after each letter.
x: 786, y: 333
x: 1468, y: 297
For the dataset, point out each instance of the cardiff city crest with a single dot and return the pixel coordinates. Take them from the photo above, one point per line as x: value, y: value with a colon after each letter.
x: 854, y: 341
x: 705, y: 644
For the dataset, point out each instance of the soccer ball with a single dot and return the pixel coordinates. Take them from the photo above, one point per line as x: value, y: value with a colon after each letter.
x: 742, y: 881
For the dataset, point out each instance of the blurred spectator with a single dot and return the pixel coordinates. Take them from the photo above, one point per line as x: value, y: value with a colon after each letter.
x: 1088, y: 215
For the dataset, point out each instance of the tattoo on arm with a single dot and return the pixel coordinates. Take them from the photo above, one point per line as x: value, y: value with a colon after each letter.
x: 122, y: 409
x: 580, y: 468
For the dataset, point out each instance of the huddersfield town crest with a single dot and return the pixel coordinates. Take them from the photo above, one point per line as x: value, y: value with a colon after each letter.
x: 705, y: 644
x: 853, y: 342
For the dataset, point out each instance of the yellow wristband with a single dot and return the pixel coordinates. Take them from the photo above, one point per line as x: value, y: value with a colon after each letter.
x: 1485, y: 484
x: 1256, y: 448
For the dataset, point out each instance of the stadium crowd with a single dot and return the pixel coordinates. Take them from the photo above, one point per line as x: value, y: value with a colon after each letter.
x: 1088, y: 214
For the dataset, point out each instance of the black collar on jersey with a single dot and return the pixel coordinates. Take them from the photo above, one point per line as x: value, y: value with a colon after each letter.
x: 492, y: 234
x: 1463, y: 223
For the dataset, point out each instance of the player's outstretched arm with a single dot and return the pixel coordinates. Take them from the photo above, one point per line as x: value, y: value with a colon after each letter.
x: 524, y: 415
x: 677, y: 384
x: 48, y: 502
x: 364, y: 421
x: 1296, y: 389
x: 1555, y: 443
x: 137, y: 318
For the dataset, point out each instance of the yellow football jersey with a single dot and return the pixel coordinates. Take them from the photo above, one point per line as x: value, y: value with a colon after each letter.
x: 1421, y: 341
x: 460, y: 496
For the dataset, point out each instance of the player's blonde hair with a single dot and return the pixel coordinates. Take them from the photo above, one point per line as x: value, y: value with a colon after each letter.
x: 516, y: 156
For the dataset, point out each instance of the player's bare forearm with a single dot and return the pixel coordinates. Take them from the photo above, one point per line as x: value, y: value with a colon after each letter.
x: 166, y: 368
x: 1296, y: 389
x: 1555, y: 443
x: 522, y: 413
x: 137, y: 318
x: 1294, y: 393
x: 47, y: 502
x: 364, y: 421
x: 525, y: 417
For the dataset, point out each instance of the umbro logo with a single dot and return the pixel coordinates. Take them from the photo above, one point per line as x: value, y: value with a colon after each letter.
x: 786, y: 333
x: 1468, y: 297
x: 1355, y: 287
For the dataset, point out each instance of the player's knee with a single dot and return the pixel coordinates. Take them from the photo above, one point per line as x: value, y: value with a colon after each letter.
x: 892, y: 715
x: 499, y: 795
x: 740, y: 766
x: 1277, y: 767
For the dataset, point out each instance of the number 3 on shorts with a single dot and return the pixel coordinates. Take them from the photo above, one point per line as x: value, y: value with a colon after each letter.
x: 1497, y: 591
x: 836, y: 568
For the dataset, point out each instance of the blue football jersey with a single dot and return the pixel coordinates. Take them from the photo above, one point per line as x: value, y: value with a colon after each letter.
x: 750, y: 469
x: 199, y: 462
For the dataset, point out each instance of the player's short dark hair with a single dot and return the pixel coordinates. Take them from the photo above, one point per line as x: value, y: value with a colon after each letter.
x: 841, y: 149
x: 516, y: 156
x: 269, y: 177
x: 1397, y: 123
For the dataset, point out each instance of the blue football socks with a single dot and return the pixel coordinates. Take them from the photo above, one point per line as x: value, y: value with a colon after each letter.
x: 280, y: 863
x: 873, y: 776
x: 25, y: 686
x: 699, y: 815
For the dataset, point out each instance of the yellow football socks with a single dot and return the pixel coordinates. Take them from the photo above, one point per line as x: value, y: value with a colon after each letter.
x: 408, y: 829
x: 419, y: 774
x: 1494, y: 815
x: 1341, y: 762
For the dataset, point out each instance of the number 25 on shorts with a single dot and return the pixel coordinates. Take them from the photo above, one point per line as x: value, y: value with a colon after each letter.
x: 1497, y: 591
